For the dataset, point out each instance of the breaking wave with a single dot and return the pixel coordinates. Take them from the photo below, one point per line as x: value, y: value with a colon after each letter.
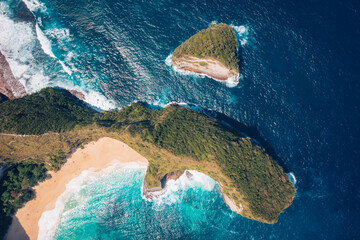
x: 51, y: 67
x: 50, y: 219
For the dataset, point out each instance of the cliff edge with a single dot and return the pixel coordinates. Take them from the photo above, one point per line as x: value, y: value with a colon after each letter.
x: 9, y: 85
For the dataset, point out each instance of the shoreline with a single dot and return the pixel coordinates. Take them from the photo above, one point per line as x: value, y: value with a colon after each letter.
x: 95, y: 156
x: 231, y: 81
x: 218, y: 78
x: 9, y: 85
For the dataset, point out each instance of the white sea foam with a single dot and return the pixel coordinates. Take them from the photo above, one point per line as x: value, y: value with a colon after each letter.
x: 292, y: 177
x: 168, y: 61
x: 17, y: 43
x: 190, y: 179
x: 242, y: 34
x: 17, y: 40
x: 92, y: 97
x: 34, y: 5
x: 44, y: 42
x: 97, y: 99
x: 50, y: 219
x: 230, y: 82
x: 46, y: 47
x: 182, y: 104
x: 59, y: 33
x: 66, y: 68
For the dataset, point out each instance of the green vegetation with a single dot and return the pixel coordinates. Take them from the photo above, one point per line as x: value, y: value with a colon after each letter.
x: 49, y: 110
x: 174, y: 138
x: 258, y: 180
x: 217, y: 42
x: 16, y: 189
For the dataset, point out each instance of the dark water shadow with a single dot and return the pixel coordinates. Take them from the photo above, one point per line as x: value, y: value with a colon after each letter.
x: 16, y: 231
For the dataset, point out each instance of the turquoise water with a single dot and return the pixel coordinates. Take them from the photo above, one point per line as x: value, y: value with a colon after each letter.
x: 109, y: 205
x: 299, y: 91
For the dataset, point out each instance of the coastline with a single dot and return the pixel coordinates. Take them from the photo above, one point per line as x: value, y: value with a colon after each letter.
x: 219, y: 78
x: 213, y: 70
x: 95, y: 156
x: 208, y: 66
x: 9, y: 85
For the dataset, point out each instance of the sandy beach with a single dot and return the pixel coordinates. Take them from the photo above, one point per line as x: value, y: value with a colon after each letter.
x: 95, y: 156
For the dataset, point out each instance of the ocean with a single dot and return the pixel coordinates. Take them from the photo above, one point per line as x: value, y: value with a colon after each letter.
x: 298, y: 90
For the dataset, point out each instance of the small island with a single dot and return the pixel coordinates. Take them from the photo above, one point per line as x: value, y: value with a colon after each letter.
x: 212, y: 51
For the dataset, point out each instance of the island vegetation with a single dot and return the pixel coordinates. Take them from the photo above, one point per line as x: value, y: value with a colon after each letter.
x: 218, y: 42
x: 172, y: 139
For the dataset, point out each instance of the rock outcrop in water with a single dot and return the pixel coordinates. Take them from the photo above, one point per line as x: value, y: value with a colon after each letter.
x: 9, y: 85
x: 211, y: 51
x: 154, y: 192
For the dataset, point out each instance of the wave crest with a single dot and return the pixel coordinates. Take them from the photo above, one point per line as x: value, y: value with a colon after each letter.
x: 175, y: 190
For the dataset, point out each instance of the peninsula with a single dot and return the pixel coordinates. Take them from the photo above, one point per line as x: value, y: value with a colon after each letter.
x: 40, y: 130
x: 212, y: 51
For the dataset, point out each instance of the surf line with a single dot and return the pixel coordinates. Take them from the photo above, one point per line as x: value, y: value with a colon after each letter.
x: 44, y: 41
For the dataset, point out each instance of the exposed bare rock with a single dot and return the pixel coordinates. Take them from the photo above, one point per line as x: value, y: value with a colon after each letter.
x: 9, y: 85
x: 77, y: 94
x: 156, y: 192
x: 210, y: 67
x: 171, y: 176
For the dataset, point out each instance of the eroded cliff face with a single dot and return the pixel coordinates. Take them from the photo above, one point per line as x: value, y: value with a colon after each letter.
x: 77, y: 94
x: 210, y: 67
x: 156, y: 192
x: 9, y: 85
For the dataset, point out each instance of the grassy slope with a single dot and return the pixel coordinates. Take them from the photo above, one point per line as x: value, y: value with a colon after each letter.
x: 217, y: 42
x: 171, y: 139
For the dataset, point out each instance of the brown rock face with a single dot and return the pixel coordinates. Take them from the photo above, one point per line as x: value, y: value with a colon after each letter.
x: 155, y: 192
x: 77, y: 94
x: 9, y: 85
x: 171, y: 175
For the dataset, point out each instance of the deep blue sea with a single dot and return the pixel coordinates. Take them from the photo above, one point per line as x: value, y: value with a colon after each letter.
x: 299, y: 88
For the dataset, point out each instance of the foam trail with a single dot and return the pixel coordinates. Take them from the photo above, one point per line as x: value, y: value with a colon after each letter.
x: 44, y: 42
x: 46, y: 46
x: 66, y: 68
